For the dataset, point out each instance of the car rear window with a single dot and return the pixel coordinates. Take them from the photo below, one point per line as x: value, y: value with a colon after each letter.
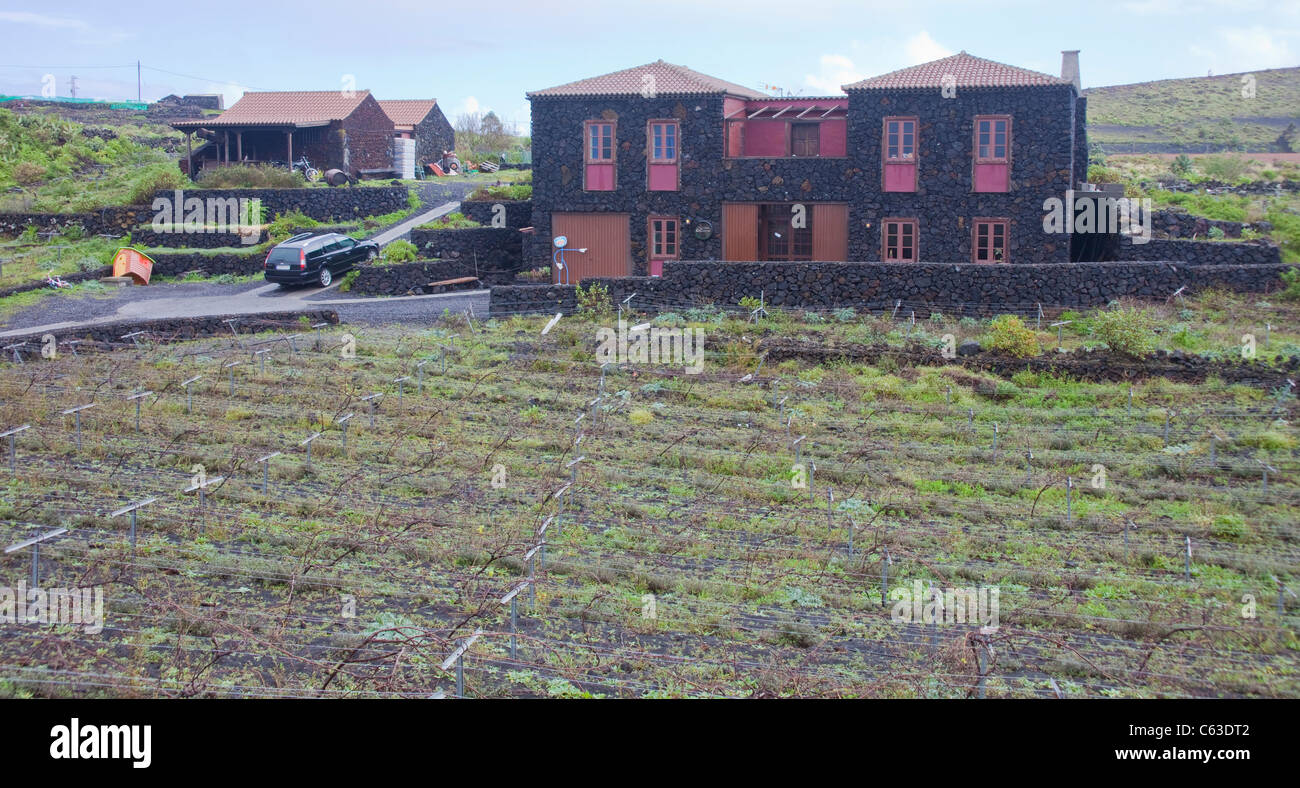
x: 283, y: 254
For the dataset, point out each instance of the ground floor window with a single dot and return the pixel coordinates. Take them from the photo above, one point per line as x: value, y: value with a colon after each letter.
x: 989, y: 243
x: 663, y: 242
x: 900, y: 241
x: 663, y: 237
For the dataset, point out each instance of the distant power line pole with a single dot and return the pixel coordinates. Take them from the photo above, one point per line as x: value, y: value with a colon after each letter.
x: 73, y: 82
x: 137, y: 82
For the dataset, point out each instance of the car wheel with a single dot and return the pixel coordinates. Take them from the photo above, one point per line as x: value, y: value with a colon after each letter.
x: 326, y: 277
x: 371, y: 255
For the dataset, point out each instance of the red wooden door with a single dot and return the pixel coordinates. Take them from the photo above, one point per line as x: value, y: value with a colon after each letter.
x: 739, y: 231
x: 603, y: 235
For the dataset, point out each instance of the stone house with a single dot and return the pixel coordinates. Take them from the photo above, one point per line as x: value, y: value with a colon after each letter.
x: 947, y: 161
x: 423, y: 121
x: 345, y: 130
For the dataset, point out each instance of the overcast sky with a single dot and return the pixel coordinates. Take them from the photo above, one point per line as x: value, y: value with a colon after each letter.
x: 486, y: 55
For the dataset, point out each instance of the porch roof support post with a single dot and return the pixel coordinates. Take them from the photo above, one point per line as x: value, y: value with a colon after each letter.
x: 189, y: 154
x: 239, y: 146
x: 288, y: 135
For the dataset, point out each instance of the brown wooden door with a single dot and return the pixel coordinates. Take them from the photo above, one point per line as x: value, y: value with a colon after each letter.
x: 739, y: 231
x: 603, y: 235
x: 830, y: 228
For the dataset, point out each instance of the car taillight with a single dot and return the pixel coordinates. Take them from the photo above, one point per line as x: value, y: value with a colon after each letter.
x: 267, y: 262
x: 302, y: 258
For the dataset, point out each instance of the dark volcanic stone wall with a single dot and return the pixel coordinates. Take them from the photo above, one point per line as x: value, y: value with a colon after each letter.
x: 320, y: 203
x: 455, y: 243
x: 1080, y: 141
x: 962, y: 288
x: 415, y: 277
x: 704, y: 184
x: 433, y: 135
x: 366, y: 137
x: 518, y: 213
x: 523, y: 299
x: 1042, y: 148
x: 1201, y: 252
x: 1042, y: 158
x: 177, y: 329
x: 485, y: 249
x: 147, y: 237
x: 1177, y: 224
x: 177, y: 264
x: 111, y: 221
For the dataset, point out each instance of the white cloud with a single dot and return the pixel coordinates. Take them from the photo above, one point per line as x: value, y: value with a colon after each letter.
x: 470, y: 105
x: 869, y: 60
x: 835, y: 70
x: 230, y: 92
x: 41, y: 20
x: 921, y: 48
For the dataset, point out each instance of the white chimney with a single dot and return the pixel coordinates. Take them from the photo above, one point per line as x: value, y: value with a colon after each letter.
x: 1070, y: 67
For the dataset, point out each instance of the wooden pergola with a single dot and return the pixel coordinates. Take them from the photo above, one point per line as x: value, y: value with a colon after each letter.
x: 213, y: 127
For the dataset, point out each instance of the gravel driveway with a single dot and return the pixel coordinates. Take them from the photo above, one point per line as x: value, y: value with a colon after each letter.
x: 190, y: 299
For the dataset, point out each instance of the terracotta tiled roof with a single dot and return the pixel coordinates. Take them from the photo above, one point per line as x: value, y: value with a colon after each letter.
x: 669, y: 79
x: 408, y: 112
x: 287, y: 107
x: 968, y: 71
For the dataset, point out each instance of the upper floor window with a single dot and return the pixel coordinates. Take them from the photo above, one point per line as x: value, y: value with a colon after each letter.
x: 991, y: 171
x: 899, y: 166
x: 598, y: 154
x: 600, y: 142
x: 663, y: 141
x: 785, y: 128
x: 805, y: 139
x: 992, y: 138
x: 900, y: 139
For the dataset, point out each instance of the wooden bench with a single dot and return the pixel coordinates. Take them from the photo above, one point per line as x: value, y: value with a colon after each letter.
x: 449, y: 284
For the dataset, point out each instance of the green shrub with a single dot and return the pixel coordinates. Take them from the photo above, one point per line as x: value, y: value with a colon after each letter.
x: 594, y: 300
x: 250, y: 176
x: 286, y: 223
x: 345, y: 285
x: 452, y: 221
x: 400, y: 252
x: 1100, y: 174
x: 1286, y: 231
x: 517, y: 191
x: 1009, y: 334
x: 1182, y: 165
x: 28, y: 174
x: 1127, y: 331
x: 154, y: 179
x: 1291, y: 278
x: 1228, y: 169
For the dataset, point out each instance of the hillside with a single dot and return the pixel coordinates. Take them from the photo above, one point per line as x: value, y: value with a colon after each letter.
x: 49, y: 162
x: 1197, y: 114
